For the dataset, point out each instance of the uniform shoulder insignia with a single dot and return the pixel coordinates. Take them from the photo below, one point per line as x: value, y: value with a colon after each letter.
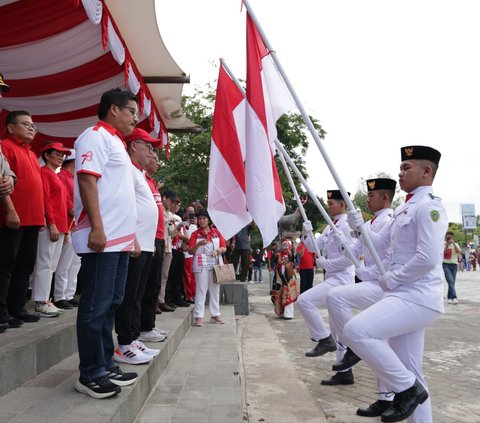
x: 435, y: 215
x: 433, y: 197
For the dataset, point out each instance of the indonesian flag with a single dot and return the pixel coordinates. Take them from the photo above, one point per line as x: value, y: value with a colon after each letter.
x: 227, y: 203
x: 267, y: 99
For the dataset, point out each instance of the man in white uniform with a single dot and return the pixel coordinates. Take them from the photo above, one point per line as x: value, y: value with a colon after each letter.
x: 339, y: 271
x: 342, y: 299
x: 413, y: 291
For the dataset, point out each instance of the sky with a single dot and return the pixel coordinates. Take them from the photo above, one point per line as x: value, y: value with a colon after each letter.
x: 377, y: 74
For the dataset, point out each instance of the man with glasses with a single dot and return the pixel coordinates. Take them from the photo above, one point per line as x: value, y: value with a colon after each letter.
x: 21, y: 218
x: 104, y: 236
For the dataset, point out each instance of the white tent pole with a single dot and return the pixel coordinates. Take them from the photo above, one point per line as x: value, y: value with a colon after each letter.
x: 315, y: 136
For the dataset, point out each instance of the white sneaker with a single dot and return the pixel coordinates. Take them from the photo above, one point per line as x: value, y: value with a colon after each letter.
x: 144, y: 349
x: 131, y: 355
x: 151, y: 336
x: 44, y: 309
x: 165, y: 333
x: 450, y: 301
x: 455, y: 301
x: 58, y: 310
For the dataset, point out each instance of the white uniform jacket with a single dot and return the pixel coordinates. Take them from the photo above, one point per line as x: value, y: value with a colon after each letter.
x: 414, y: 259
x: 337, y: 264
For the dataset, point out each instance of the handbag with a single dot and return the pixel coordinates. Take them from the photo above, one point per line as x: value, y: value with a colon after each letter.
x: 223, y: 273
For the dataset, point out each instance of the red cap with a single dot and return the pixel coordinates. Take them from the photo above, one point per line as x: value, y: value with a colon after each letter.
x: 141, y: 135
x: 56, y: 146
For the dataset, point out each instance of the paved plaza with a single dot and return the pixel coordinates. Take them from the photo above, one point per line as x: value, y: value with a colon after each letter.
x: 281, y: 385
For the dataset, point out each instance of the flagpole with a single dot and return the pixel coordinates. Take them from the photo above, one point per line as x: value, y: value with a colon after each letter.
x: 315, y: 136
x: 345, y: 246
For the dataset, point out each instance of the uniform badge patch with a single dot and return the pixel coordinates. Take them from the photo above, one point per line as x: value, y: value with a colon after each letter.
x: 435, y: 215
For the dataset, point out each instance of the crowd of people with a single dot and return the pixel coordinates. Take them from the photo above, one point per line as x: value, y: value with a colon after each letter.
x: 95, y: 214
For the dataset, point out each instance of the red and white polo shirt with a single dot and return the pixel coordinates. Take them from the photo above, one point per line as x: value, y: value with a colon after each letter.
x: 100, y: 151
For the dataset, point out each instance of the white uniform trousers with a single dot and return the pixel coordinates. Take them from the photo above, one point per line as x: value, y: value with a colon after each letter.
x: 341, y: 300
x: 66, y: 273
x: 48, y: 254
x: 399, y: 362
x: 167, y: 260
x: 309, y: 303
x: 204, y: 281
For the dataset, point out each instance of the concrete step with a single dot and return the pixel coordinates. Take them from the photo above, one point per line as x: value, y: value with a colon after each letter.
x: 202, y: 383
x: 50, y: 397
x: 33, y: 348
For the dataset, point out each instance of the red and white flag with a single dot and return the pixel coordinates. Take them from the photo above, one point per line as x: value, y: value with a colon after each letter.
x: 227, y: 203
x: 267, y: 99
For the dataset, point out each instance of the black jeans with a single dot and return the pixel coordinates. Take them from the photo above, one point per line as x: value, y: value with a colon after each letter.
x: 152, y: 289
x: 306, y: 279
x: 18, y: 252
x: 127, y: 317
x: 175, y: 290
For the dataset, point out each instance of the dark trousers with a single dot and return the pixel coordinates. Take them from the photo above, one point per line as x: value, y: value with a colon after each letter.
x: 175, y: 290
x: 18, y: 252
x: 127, y: 316
x: 152, y: 289
x: 450, y: 271
x: 306, y: 279
x: 103, y: 279
x: 244, y: 257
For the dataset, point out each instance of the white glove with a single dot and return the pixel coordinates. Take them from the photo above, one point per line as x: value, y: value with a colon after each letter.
x: 383, y: 280
x: 339, y: 237
x: 355, y: 219
x: 321, y: 262
x: 307, y: 227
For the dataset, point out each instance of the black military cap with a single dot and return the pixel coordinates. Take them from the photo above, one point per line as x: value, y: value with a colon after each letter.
x: 335, y: 194
x: 420, y: 152
x: 381, y: 183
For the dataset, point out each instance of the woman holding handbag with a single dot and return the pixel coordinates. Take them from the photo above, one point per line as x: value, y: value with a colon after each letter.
x: 207, y: 245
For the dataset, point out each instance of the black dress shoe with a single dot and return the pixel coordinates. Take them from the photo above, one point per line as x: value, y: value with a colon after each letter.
x: 63, y: 304
x: 165, y: 307
x: 348, y: 360
x: 341, y: 378
x: 182, y: 304
x: 374, y: 410
x: 74, y: 302
x: 3, y: 327
x: 27, y: 317
x: 12, y: 322
x: 324, y: 345
x: 405, y: 402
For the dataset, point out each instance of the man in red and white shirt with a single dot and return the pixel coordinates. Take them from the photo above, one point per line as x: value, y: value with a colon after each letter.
x: 21, y: 216
x: 106, y: 216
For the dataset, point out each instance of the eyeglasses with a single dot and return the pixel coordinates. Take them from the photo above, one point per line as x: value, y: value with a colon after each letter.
x: 147, y: 144
x: 27, y: 125
x: 133, y: 111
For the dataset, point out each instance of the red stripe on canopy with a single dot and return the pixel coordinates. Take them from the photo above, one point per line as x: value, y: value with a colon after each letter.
x: 30, y: 20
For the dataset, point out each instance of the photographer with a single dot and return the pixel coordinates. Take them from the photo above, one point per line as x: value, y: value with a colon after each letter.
x: 188, y: 277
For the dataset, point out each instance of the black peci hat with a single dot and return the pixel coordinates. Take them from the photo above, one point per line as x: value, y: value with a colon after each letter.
x: 381, y: 183
x: 420, y: 152
x: 335, y: 194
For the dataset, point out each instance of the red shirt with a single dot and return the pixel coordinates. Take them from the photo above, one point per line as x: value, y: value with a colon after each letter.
x: 27, y: 197
x: 55, y: 197
x: 67, y: 180
x: 307, y: 258
x: 161, y: 216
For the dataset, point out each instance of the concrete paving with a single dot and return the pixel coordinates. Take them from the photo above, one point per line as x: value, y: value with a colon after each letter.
x: 201, y: 383
x: 282, y: 385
